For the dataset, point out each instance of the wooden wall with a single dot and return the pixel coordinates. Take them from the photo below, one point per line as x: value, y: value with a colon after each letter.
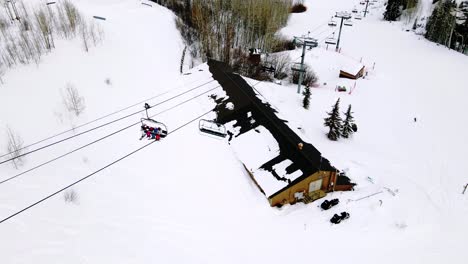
x: 348, y: 75
x: 287, y: 196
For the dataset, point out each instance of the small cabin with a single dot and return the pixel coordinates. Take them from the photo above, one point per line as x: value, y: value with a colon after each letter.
x: 352, y: 71
x: 282, y: 180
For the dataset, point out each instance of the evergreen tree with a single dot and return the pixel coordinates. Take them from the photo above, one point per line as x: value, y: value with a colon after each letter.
x: 441, y: 22
x: 461, y: 30
x: 333, y: 121
x: 348, y: 124
x: 393, y: 10
x: 395, y: 7
x: 306, y: 100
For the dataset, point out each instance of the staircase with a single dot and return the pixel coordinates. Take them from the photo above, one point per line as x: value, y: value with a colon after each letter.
x: 308, y: 198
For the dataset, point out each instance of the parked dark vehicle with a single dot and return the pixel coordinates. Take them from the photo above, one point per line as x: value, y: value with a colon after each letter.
x: 329, y: 204
x: 336, y: 219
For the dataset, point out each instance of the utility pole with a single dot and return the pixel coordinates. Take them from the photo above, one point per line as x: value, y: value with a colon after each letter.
x: 305, y: 42
x: 367, y: 5
x: 343, y: 16
x: 9, y: 12
x: 51, y: 14
x: 13, y: 5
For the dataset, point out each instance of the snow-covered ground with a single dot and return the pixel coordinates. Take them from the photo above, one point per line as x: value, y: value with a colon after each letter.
x: 187, y: 199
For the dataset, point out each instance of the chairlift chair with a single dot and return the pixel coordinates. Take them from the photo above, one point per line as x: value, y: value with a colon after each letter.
x: 151, y: 123
x: 348, y: 23
x: 330, y: 41
x: 358, y: 17
x: 212, y: 128
x: 297, y: 67
x: 332, y: 23
x: 354, y: 10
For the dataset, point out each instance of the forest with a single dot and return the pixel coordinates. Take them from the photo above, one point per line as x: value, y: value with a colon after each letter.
x: 222, y: 30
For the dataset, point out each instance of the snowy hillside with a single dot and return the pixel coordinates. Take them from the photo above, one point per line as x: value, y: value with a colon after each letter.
x: 187, y: 198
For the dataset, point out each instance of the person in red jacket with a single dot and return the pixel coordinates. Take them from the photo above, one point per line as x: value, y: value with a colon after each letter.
x: 158, y: 133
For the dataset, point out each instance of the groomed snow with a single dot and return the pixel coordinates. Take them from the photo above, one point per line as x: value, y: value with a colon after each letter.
x: 188, y: 199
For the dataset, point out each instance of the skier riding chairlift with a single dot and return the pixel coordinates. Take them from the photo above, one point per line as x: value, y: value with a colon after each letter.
x: 151, y: 128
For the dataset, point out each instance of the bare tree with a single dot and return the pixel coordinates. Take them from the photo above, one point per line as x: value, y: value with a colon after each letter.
x: 2, y: 72
x: 15, y: 147
x: 281, y: 63
x: 310, y: 78
x: 72, y: 100
x: 26, y: 41
x: 70, y: 196
x: 84, y: 32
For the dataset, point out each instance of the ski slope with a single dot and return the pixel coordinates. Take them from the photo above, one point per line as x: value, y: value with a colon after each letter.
x: 187, y: 199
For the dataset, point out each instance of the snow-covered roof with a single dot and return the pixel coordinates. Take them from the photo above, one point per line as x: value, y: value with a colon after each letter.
x: 351, y: 66
x: 266, y: 148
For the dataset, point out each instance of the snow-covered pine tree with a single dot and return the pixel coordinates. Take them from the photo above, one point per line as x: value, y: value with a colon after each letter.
x: 441, y: 22
x: 393, y: 10
x: 395, y: 7
x: 333, y: 121
x: 306, y: 100
x: 462, y: 29
x: 348, y: 124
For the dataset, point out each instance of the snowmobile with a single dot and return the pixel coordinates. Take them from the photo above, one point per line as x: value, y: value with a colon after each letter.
x: 329, y: 204
x: 336, y: 219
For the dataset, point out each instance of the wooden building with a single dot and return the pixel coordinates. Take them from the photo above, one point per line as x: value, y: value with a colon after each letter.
x: 304, y: 176
x: 283, y: 167
x: 310, y: 188
x: 352, y: 71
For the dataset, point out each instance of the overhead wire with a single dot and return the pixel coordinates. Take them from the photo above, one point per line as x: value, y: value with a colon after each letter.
x: 96, y: 172
x: 102, y: 138
x: 319, y: 26
x: 100, y: 126
x: 95, y: 120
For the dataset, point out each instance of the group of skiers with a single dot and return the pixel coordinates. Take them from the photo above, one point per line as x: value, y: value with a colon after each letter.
x: 150, y: 132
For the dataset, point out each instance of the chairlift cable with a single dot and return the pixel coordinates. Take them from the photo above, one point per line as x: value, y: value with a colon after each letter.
x: 95, y: 120
x: 322, y: 32
x: 95, y: 172
x: 100, y: 126
x: 319, y: 26
x: 100, y: 139
x: 330, y: 35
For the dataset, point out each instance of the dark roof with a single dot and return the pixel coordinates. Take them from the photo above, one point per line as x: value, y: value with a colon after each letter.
x: 309, y: 160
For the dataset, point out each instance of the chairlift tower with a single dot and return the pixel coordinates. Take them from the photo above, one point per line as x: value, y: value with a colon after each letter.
x: 344, y: 16
x: 14, y: 12
x: 305, y: 42
x: 367, y: 5
x: 48, y: 4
